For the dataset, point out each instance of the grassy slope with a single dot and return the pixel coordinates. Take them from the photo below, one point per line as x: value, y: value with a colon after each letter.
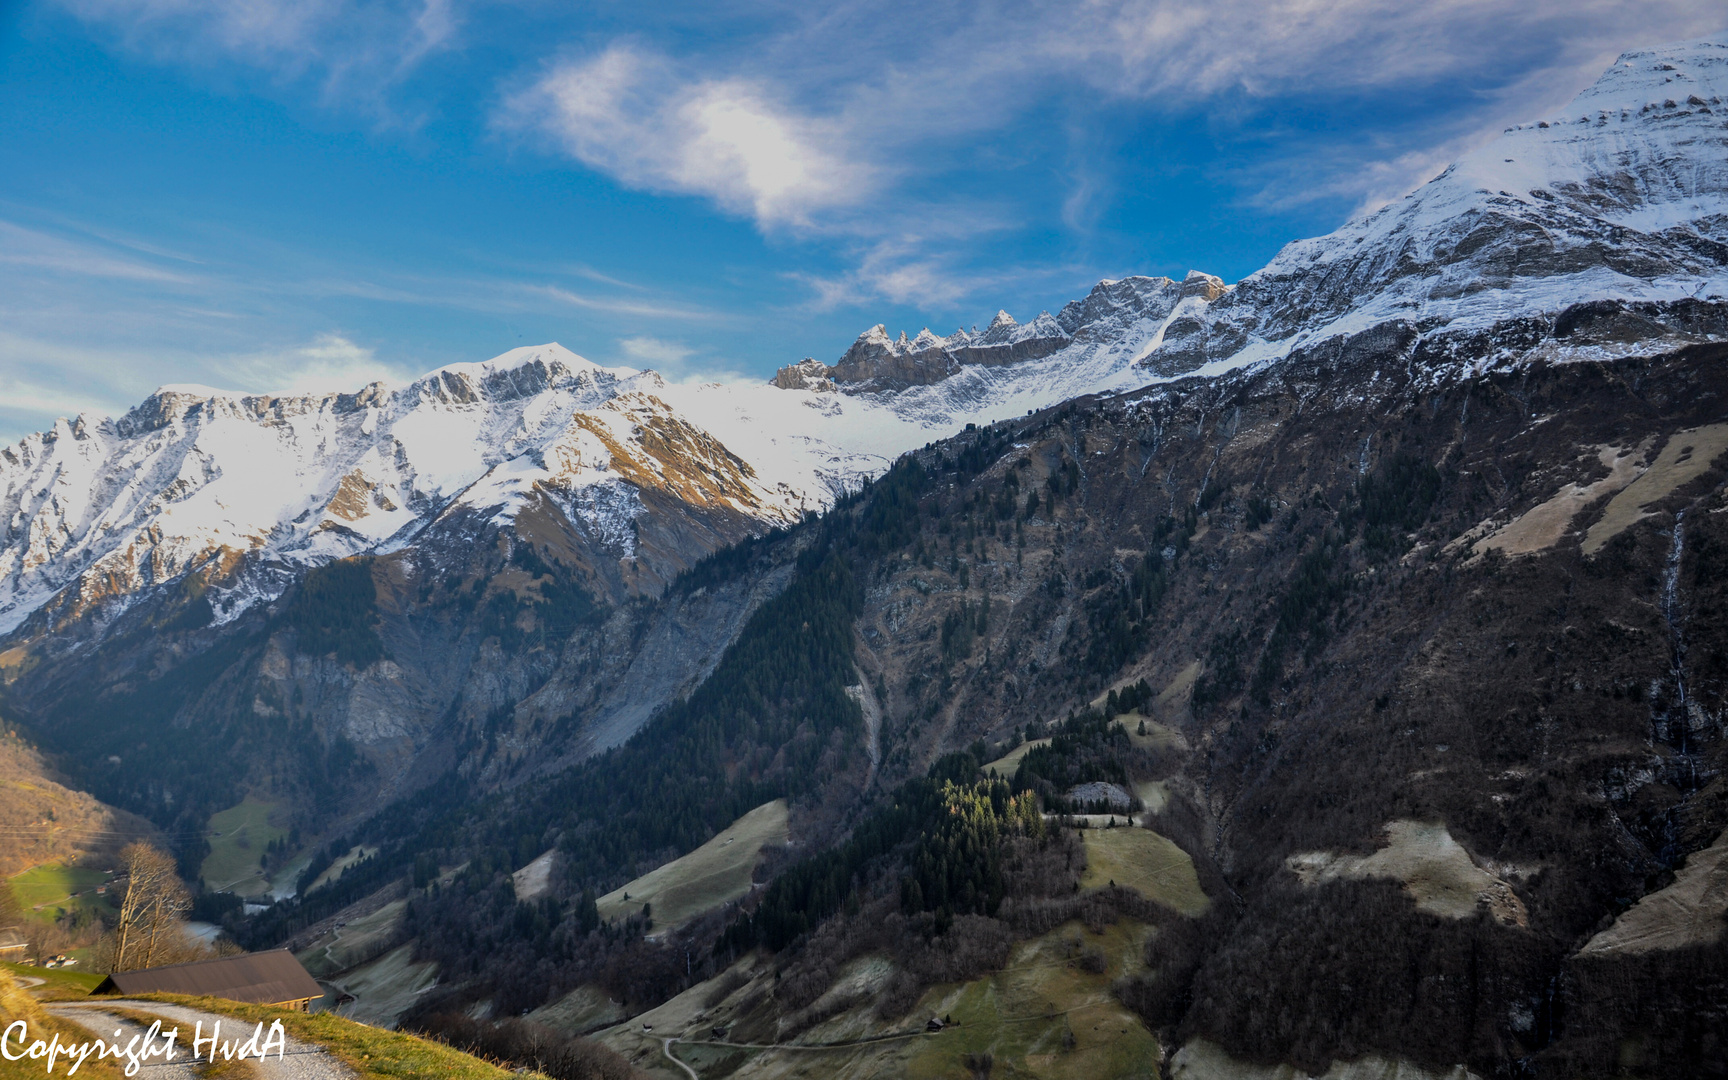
x: 711, y: 875
x: 48, y: 822
x: 1005, y: 765
x: 374, y: 1053
x: 343, y: 947
x: 335, y: 870
x: 1142, y: 860
x: 1023, y: 1016
x: 58, y: 984
x: 238, y: 837
x: 56, y: 888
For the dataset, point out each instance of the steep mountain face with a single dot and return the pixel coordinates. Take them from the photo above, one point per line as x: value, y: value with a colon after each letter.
x: 1622, y: 199
x: 1571, y: 237
x: 1429, y: 685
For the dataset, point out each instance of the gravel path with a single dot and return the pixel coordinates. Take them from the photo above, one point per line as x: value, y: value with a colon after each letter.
x: 111, y: 1028
x: 301, y: 1061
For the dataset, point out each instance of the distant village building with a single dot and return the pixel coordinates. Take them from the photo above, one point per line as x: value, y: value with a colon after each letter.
x: 266, y: 978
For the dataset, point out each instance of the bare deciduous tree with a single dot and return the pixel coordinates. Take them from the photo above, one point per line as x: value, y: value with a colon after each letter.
x: 148, y: 930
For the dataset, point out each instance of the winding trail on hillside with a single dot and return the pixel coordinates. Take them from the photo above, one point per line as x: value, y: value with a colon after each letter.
x: 299, y: 1060
x: 846, y: 1045
x: 666, y: 1048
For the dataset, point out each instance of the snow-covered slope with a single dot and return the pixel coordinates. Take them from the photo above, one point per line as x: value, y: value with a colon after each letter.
x: 195, y: 478
x: 1621, y: 197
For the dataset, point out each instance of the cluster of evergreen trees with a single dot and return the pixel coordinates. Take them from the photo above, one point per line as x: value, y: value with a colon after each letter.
x: 956, y: 866
x: 941, y: 833
x: 334, y: 613
x: 1084, y: 748
x: 1134, y: 697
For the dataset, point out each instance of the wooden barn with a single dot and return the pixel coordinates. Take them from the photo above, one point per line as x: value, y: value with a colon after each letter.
x: 266, y: 978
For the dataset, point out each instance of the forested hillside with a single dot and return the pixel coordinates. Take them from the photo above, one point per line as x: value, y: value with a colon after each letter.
x: 1340, y: 646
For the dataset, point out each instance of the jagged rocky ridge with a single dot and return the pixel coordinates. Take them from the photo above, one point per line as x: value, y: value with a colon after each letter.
x: 1620, y: 203
x: 247, y: 491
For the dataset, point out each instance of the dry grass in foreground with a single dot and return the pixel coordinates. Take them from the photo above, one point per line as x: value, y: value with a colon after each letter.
x: 17, y: 1004
x: 374, y: 1053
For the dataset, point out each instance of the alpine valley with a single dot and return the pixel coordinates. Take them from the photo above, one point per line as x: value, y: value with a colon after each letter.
x: 1321, y: 674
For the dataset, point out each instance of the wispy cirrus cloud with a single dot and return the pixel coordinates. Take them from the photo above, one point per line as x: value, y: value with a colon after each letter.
x: 654, y: 352
x: 353, y: 52
x: 42, y: 251
x: 329, y: 362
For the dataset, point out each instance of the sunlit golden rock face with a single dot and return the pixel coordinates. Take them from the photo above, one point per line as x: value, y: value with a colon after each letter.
x: 650, y: 446
x: 242, y: 492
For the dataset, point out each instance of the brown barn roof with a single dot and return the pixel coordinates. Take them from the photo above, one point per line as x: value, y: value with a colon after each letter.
x: 264, y: 978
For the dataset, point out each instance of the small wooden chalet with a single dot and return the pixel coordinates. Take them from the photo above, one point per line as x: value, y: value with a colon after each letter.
x: 266, y: 978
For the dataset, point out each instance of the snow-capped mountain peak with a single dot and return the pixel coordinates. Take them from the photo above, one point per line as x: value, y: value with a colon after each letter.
x: 1620, y: 198
x: 1597, y: 230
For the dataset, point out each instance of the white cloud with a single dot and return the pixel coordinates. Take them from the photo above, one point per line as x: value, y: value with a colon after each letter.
x: 44, y: 378
x: 22, y: 396
x: 676, y: 362
x: 734, y: 140
x: 330, y: 362
x: 653, y: 352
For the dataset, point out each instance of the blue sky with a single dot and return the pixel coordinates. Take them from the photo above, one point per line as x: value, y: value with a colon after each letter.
x: 273, y: 195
